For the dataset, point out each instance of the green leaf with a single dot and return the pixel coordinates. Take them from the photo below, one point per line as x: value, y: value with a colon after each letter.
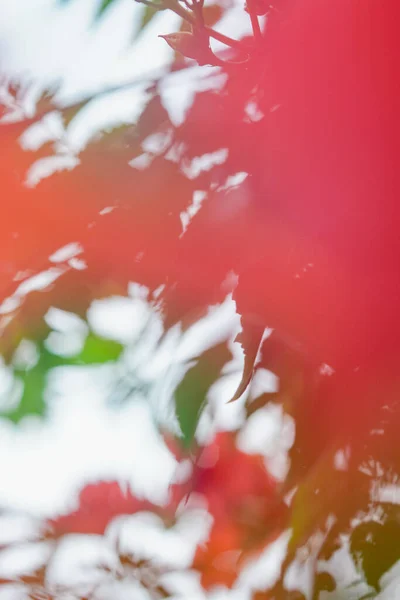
x: 34, y: 381
x: 375, y: 547
x: 95, y: 351
x: 191, y: 393
x: 98, y: 351
x: 147, y: 15
x: 323, y: 492
x: 32, y: 400
x: 104, y: 5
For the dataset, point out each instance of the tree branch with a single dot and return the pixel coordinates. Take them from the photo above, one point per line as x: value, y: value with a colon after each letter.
x: 187, y: 16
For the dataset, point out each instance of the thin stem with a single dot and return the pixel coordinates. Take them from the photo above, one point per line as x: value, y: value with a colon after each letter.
x: 187, y: 16
x: 188, y: 4
x: 179, y: 10
x: 255, y: 25
x: 198, y: 11
x: 224, y: 39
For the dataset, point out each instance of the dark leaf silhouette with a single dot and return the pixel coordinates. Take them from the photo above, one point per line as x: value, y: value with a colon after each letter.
x: 191, y: 393
x: 250, y: 340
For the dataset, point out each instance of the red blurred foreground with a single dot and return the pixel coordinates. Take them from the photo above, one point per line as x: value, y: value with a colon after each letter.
x: 240, y: 496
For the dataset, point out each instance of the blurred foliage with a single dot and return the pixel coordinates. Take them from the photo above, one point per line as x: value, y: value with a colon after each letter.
x: 148, y: 14
x: 95, y: 351
x: 300, y: 186
x: 101, y: 9
x: 191, y: 393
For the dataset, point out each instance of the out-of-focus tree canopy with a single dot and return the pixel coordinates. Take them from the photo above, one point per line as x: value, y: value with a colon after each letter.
x: 279, y: 188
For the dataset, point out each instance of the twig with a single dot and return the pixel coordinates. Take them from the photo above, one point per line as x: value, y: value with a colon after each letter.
x: 172, y: 5
x: 198, y: 11
x: 187, y: 16
x: 225, y: 39
x: 255, y: 25
x: 187, y: 4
